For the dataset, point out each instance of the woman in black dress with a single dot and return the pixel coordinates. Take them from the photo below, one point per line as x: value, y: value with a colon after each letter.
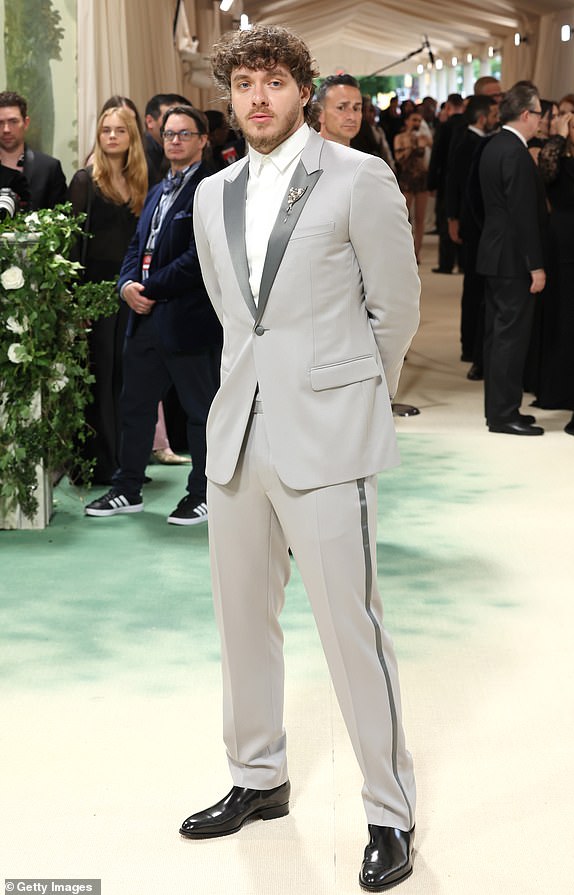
x: 556, y: 163
x: 111, y: 193
x: 411, y: 148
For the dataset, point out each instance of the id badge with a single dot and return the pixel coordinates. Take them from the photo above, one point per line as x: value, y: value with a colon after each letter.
x: 146, y: 262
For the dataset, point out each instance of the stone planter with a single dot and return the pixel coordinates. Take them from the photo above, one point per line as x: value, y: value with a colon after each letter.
x: 12, y: 516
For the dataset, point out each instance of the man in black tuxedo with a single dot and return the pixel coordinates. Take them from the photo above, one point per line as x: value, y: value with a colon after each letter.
x: 44, y: 173
x: 511, y: 256
x: 173, y: 334
x: 481, y: 116
x: 437, y: 173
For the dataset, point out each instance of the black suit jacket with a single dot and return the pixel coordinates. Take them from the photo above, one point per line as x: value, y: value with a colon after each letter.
x: 515, y: 218
x: 14, y: 180
x: 458, y: 173
x: 157, y: 164
x: 446, y: 134
x: 45, y: 178
x: 183, y: 316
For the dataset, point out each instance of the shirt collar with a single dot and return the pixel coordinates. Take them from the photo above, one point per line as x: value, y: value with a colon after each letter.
x: 282, y: 155
x: 507, y: 127
x: 476, y: 130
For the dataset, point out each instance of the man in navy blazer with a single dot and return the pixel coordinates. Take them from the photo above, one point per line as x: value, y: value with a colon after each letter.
x: 173, y: 334
x: 511, y: 256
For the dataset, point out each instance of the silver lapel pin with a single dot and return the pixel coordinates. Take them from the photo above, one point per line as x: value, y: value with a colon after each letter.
x: 293, y: 196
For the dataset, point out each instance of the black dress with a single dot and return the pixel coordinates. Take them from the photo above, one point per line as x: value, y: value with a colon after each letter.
x: 112, y: 227
x: 556, y: 372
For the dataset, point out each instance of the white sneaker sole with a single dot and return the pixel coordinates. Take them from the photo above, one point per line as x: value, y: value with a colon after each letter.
x: 136, y: 508
x: 173, y: 520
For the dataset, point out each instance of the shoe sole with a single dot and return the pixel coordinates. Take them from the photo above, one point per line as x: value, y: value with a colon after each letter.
x: 386, y: 886
x: 173, y: 520
x: 498, y: 431
x: 261, y: 814
x: 115, y: 512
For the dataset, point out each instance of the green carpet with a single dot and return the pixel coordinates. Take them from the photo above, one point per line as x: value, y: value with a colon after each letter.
x: 128, y: 597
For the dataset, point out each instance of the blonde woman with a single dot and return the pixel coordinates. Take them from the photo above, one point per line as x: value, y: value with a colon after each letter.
x: 111, y: 192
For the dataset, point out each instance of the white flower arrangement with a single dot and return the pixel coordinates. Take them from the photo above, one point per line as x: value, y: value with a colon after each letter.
x: 44, y: 375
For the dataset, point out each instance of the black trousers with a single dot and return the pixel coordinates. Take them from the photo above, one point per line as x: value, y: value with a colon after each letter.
x: 448, y: 253
x: 148, y: 372
x: 472, y: 306
x: 105, y: 340
x: 509, y: 310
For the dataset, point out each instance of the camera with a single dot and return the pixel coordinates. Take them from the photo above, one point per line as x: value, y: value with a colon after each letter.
x: 9, y: 203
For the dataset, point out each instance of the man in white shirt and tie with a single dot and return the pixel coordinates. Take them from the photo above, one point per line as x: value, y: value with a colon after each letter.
x: 307, y: 256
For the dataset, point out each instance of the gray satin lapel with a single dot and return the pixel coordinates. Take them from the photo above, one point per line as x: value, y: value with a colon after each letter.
x: 282, y: 230
x: 234, y: 194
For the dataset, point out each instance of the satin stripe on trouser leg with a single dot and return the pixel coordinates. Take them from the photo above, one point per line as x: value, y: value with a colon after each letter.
x: 332, y: 532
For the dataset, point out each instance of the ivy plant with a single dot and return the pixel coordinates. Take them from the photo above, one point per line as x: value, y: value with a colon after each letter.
x: 45, y: 313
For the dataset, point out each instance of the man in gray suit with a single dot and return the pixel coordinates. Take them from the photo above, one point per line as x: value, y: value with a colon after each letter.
x: 307, y: 256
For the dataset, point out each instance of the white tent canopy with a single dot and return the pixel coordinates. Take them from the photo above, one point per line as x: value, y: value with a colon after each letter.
x: 362, y: 37
x: 127, y: 46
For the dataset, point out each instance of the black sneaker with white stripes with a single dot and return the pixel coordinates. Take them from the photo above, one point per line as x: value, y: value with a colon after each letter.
x: 189, y: 511
x: 114, y: 502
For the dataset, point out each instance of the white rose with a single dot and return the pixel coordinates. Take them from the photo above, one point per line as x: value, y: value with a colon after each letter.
x: 57, y: 385
x: 13, y: 325
x: 61, y: 380
x: 12, y: 278
x: 32, y: 219
x: 18, y: 354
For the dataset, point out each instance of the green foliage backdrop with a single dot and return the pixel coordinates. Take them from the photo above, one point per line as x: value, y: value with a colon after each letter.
x: 32, y: 37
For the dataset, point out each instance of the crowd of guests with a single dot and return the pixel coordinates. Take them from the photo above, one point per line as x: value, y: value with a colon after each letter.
x: 136, y: 189
x: 439, y: 152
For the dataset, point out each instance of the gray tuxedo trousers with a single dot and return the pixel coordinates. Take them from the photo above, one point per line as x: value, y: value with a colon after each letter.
x: 331, y: 531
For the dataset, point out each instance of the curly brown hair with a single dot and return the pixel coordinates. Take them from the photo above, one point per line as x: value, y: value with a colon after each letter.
x: 263, y: 46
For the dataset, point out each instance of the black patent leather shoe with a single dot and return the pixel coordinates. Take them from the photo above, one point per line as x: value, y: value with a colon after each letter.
x: 239, y: 805
x: 516, y: 427
x: 388, y: 858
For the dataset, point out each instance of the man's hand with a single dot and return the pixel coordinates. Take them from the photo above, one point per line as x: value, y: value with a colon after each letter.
x: 132, y: 295
x: 453, y: 230
x: 538, y: 280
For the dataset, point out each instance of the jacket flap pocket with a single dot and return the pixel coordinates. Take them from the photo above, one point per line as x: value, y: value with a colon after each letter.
x: 313, y: 230
x: 334, y: 375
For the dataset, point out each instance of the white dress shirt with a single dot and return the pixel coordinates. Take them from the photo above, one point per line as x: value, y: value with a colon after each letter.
x: 269, y: 177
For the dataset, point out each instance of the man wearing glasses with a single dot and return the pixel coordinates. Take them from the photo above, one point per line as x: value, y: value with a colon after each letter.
x: 511, y: 256
x: 173, y: 335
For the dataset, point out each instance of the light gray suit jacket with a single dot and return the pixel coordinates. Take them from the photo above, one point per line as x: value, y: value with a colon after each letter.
x: 337, y: 309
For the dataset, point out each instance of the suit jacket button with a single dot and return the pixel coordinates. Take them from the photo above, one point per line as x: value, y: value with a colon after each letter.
x: 259, y: 330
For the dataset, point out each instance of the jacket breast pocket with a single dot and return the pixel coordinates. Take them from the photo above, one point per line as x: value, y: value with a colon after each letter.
x: 356, y: 369
x: 313, y: 230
